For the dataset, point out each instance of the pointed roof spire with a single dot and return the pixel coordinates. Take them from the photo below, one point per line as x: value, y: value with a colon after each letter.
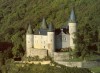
x: 72, y: 16
x: 29, y: 30
x: 51, y: 27
x: 43, y: 26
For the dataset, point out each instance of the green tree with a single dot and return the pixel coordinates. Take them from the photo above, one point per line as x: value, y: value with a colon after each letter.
x: 17, y: 50
x: 1, y: 59
x: 86, y: 40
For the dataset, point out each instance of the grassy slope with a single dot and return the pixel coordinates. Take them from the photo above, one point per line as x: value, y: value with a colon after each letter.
x: 96, y: 69
x: 32, y: 68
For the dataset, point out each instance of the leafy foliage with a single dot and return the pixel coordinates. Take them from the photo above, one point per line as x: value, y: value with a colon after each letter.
x: 32, y: 68
x: 16, y: 14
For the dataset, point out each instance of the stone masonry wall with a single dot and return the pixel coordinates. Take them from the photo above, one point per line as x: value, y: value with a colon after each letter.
x: 88, y: 64
x: 70, y: 64
x: 61, y: 56
x: 39, y: 52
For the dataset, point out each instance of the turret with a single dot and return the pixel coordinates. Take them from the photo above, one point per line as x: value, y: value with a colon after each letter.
x: 43, y: 26
x: 51, y: 40
x: 72, y: 28
x: 51, y: 28
x: 29, y: 41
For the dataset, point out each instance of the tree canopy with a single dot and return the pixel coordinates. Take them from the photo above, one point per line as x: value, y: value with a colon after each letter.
x: 15, y: 15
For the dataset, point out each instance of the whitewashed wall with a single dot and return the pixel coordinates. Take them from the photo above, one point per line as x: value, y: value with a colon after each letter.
x: 72, y: 30
x: 40, y: 41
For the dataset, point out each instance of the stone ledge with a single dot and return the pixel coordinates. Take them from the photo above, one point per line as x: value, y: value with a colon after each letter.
x: 61, y: 56
x: 88, y: 64
x: 34, y: 62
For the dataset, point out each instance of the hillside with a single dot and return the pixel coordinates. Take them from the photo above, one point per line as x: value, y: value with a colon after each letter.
x: 15, y: 15
x: 12, y: 67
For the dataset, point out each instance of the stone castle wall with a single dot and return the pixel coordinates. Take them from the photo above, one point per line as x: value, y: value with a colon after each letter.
x: 42, y: 53
x: 88, y: 64
x: 40, y: 41
x: 61, y: 56
x: 72, y: 30
x: 70, y: 64
x: 62, y: 40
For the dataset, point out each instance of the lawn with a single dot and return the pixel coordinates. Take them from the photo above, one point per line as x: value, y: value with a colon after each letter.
x: 95, y: 70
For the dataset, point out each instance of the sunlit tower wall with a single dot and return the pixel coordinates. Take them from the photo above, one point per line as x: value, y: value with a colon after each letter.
x: 51, y: 40
x: 29, y: 41
x: 72, y: 29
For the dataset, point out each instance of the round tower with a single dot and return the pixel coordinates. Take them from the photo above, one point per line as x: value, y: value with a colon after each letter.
x: 29, y: 41
x: 72, y: 29
x: 51, y: 40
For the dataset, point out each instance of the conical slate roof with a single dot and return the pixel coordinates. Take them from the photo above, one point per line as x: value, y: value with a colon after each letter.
x: 72, y: 16
x: 51, y: 27
x: 29, y: 30
x: 43, y: 25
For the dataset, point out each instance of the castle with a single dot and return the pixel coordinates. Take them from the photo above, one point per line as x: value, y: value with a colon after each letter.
x: 46, y: 40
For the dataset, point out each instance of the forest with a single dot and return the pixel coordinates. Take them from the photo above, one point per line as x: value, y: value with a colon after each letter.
x: 15, y: 15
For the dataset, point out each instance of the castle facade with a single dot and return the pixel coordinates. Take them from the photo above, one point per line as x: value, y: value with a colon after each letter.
x: 47, y: 40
